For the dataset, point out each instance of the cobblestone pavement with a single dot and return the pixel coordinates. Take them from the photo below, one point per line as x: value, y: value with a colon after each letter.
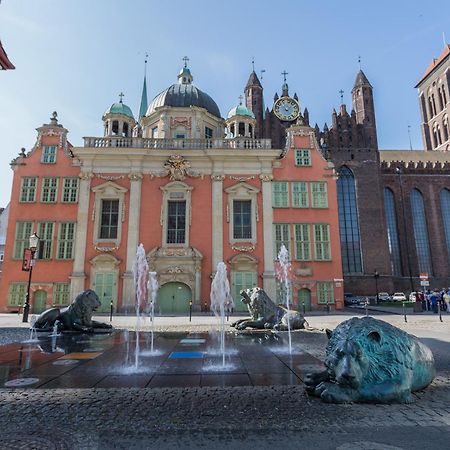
x: 228, y: 418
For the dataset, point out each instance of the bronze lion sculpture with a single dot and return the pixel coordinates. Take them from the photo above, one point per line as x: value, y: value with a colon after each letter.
x: 369, y: 360
x: 76, y: 317
x: 266, y: 314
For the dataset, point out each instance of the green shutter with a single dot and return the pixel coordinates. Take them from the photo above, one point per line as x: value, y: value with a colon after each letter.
x: 281, y: 236
x: 280, y: 194
x: 302, y: 242
x: 300, y: 194
x: 23, y: 233
x: 319, y: 194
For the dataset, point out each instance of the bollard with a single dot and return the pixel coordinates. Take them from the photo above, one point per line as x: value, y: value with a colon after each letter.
x: 439, y: 311
x: 404, y: 311
x: 111, y: 311
x: 190, y: 310
x: 303, y: 307
x: 366, y: 306
x: 328, y: 307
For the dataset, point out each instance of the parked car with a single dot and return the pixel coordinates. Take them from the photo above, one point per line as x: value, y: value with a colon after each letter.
x: 399, y: 297
x: 352, y: 299
x: 384, y: 297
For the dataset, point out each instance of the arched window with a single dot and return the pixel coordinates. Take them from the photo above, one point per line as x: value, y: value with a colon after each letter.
x: 441, y: 100
x: 434, y: 104
x: 392, y: 231
x: 348, y: 222
x: 445, y: 211
x: 420, y: 232
x: 439, y: 137
x: 430, y: 107
x: 445, y: 128
x: 444, y: 95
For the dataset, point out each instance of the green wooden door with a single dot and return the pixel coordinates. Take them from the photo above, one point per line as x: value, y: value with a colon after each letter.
x: 240, y: 281
x: 104, y: 287
x: 173, y: 298
x: 304, y: 298
x: 39, y: 301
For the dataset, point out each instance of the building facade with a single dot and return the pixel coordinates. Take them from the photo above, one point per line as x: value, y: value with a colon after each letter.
x: 194, y: 188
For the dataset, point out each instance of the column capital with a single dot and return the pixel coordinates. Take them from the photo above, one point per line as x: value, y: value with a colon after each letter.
x: 266, y: 177
x: 86, y: 175
x: 135, y: 176
x: 217, y: 177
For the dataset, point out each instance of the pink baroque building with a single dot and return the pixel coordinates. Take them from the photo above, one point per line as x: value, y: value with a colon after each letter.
x: 195, y: 189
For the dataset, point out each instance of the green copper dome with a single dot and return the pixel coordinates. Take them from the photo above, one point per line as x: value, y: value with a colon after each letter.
x: 240, y: 110
x: 120, y: 108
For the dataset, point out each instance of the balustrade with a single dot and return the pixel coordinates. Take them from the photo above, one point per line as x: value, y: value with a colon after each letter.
x: 176, y: 144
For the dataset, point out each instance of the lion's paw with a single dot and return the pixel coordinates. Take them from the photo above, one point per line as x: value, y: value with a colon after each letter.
x: 333, y: 393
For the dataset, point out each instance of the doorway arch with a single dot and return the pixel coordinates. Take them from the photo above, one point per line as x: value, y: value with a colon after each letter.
x: 304, y: 298
x: 39, y: 301
x: 173, y: 298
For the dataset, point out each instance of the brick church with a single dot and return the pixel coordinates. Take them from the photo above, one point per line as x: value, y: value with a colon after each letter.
x: 197, y: 189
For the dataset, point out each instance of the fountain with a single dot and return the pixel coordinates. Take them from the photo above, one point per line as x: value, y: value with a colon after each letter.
x: 33, y: 332
x: 283, y: 276
x: 140, y: 272
x: 152, y: 290
x: 221, y: 302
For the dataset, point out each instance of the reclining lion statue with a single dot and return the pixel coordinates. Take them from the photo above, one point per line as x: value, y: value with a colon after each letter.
x: 369, y: 360
x: 266, y: 314
x: 76, y: 317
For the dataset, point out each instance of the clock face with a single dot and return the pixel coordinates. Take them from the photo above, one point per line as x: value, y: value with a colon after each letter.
x: 286, y: 108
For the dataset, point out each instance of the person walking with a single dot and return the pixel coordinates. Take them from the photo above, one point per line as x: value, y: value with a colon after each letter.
x: 447, y: 300
x: 434, y: 301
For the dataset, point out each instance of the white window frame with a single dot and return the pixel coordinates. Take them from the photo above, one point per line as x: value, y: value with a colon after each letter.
x: 108, y: 191
x: 242, y: 191
x: 44, y: 154
x: 181, y: 191
x: 299, y: 157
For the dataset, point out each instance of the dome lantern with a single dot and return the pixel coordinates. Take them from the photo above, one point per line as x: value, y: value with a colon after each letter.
x: 241, y: 121
x: 119, y: 119
x: 185, y: 76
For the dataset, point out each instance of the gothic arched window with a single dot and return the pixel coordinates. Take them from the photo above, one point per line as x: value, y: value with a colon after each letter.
x: 349, y: 222
x: 392, y: 231
x: 420, y: 232
x: 445, y: 211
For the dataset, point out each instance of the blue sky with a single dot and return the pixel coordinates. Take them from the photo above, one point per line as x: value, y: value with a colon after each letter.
x: 76, y: 56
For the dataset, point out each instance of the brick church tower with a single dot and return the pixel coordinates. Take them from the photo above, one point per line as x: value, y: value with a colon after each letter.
x: 254, y: 101
x: 351, y: 144
x: 362, y: 99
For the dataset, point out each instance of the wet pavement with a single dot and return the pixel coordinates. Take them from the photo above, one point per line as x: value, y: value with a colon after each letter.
x: 120, y: 360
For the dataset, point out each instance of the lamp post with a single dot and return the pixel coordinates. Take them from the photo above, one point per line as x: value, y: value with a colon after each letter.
x: 34, y: 241
x: 398, y: 171
x: 376, y: 275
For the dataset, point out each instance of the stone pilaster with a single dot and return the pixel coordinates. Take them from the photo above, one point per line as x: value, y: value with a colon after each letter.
x: 269, y: 268
x: 217, y: 219
x: 132, y: 239
x: 78, y: 275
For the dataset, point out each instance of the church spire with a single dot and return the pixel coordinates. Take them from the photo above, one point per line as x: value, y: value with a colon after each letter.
x: 144, y: 101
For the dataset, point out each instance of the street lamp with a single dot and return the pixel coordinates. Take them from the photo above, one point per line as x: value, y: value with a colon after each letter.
x: 398, y: 171
x: 376, y: 275
x: 33, y: 245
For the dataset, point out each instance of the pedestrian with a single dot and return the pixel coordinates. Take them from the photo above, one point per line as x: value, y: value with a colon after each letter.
x: 447, y: 301
x: 434, y: 298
